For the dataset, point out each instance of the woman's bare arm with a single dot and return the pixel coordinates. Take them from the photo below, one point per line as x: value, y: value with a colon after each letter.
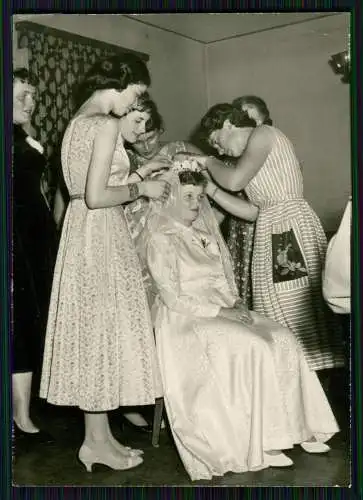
x: 254, y: 156
x: 232, y: 204
x: 98, y: 193
x: 59, y: 207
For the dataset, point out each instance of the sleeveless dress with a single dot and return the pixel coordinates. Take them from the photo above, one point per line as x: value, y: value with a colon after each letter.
x: 289, y: 255
x: 99, y: 350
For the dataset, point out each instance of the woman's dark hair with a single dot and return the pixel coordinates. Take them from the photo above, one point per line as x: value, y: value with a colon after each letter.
x: 115, y: 72
x: 192, y: 177
x: 218, y: 114
x: 155, y: 122
x: 258, y: 103
x: 24, y: 76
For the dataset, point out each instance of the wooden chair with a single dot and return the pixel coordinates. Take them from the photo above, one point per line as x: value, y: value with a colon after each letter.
x: 158, y: 418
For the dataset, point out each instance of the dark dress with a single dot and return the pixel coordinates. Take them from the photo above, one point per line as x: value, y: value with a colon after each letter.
x: 34, y: 251
x: 239, y: 236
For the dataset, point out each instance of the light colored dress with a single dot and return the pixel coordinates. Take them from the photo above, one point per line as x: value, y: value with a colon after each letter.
x: 230, y: 390
x: 99, y: 350
x: 337, y: 272
x: 136, y: 211
x: 289, y: 255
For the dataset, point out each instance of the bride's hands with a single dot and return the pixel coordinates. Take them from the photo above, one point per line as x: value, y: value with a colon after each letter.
x: 243, y: 311
x: 240, y: 314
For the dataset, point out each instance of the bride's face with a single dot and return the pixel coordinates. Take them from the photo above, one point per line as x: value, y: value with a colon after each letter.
x: 188, y: 203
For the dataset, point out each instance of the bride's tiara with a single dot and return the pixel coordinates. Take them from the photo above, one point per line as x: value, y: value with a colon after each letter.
x: 186, y: 165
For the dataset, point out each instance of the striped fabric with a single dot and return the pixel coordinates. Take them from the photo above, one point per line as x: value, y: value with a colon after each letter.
x: 297, y: 303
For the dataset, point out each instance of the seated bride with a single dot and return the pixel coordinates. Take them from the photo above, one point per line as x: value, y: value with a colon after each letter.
x: 237, y: 387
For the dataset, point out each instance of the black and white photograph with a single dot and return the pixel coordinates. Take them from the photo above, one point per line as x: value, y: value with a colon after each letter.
x: 181, y: 241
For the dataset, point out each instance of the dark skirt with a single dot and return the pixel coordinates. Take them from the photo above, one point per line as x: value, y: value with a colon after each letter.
x: 34, y: 248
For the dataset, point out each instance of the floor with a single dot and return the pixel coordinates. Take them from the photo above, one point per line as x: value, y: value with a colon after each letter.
x: 56, y: 464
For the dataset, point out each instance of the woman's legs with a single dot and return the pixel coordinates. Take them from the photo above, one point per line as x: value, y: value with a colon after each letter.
x: 99, y: 445
x: 136, y: 419
x: 22, y: 383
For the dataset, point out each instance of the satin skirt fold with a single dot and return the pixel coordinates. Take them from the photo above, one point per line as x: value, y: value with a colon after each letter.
x: 232, y: 391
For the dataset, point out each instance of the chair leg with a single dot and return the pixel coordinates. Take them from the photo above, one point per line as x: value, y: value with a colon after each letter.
x: 158, y: 416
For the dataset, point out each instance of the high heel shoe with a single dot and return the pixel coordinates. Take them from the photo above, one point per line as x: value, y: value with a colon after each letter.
x: 134, y: 452
x: 277, y: 460
x: 40, y: 437
x: 88, y: 457
x: 139, y: 428
x: 315, y: 447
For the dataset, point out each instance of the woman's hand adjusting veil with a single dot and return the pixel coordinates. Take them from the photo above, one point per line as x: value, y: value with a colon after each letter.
x: 201, y: 159
x: 155, y: 189
x: 157, y: 165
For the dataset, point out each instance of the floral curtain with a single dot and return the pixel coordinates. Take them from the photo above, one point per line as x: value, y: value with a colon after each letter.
x: 58, y: 60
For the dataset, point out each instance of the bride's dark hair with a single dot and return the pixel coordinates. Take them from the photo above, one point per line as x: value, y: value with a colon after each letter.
x: 192, y: 177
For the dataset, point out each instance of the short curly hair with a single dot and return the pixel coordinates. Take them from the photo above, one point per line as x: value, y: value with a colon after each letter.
x: 116, y: 72
x: 216, y: 116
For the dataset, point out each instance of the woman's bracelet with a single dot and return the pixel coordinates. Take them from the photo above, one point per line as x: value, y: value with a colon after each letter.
x: 203, y: 161
x: 139, y: 175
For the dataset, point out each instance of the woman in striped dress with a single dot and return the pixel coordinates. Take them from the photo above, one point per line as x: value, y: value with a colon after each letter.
x: 240, y: 233
x: 290, y: 243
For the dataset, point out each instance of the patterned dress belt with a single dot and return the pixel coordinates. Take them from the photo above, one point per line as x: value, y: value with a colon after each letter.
x: 267, y: 204
x: 78, y: 196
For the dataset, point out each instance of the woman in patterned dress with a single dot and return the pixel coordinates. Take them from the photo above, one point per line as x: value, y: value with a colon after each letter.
x: 149, y: 147
x: 240, y: 233
x: 290, y: 244
x: 99, y: 351
x: 239, y: 236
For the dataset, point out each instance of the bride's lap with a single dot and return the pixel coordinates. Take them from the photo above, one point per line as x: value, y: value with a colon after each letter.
x: 262, y: 332
x: 277, y: 331
x: 224, y: 331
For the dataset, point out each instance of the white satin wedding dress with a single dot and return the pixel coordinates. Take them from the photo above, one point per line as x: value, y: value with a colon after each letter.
x: 231, y: 391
